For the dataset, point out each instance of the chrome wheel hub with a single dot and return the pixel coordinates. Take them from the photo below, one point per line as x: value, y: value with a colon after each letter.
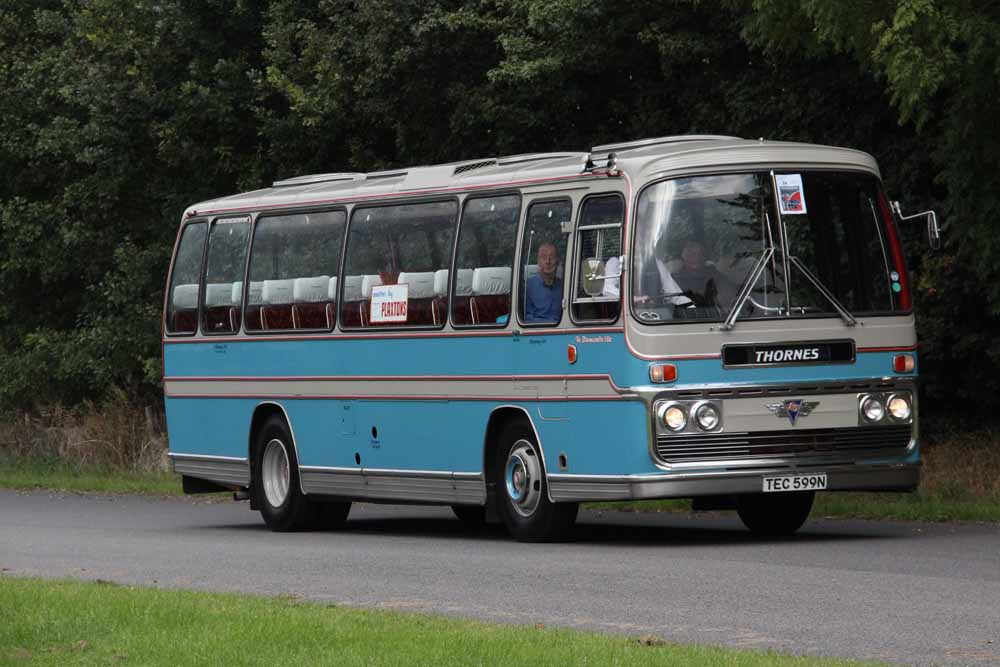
x: 523, y: 478
x: 275, y: 473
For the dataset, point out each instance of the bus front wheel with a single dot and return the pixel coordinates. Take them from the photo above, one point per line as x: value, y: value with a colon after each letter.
x: 276, y: 489
x: 775, y: 514
x: 522, y: 490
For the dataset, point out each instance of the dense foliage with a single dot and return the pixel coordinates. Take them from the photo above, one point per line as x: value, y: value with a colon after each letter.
x: 114, y: 116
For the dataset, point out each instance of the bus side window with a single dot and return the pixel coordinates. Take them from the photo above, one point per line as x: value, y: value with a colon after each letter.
x: 543, y: 262
x: 393, y: 258
x: 227, y: 254
x: 185, y: 281
x: 484, y: 263
x: 596, y: 296
x: 294, y: 263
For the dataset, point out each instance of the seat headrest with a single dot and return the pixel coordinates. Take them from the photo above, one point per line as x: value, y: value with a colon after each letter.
x: 352, y: 288
x: 441, y: 282
x: 278, y: 292
x: 311, y: 290
x: 491, y: 280
x: 368, y: 282
x: 255, y: 292
x: 463, y: 282
x: 530, y: 270
x: 419, y: 285
x: 218, y: 295
x: 186, y: 297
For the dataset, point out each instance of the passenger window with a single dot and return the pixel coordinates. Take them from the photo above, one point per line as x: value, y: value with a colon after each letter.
x: 394, y: 254
x: 543, y: 262
x: 484, y: 263
x: 182, y: 300
x: 227, y: 254
x: 294, y: 263
x: 598, y: 269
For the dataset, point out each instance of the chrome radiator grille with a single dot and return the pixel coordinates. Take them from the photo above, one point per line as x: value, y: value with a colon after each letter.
x: 874, y: 441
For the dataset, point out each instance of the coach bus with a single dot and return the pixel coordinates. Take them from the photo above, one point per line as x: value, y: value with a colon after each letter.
x: 696, y: 317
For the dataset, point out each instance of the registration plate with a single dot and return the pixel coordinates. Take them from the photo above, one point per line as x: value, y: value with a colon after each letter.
x: 814, y: 482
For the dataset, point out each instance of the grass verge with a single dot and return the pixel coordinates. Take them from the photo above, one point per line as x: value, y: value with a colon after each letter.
x: 60, y: 622
x: 34, y: 474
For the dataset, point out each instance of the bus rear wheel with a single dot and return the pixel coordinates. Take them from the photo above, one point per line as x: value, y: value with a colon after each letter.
x: 275, y: 485
x: 522, y: 492
x: 775, y: 514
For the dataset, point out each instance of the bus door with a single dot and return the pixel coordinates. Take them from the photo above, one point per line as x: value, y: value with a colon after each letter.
x: 539, y: 354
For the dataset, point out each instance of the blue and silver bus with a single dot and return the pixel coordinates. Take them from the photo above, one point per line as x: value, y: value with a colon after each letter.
x: 696, y: 317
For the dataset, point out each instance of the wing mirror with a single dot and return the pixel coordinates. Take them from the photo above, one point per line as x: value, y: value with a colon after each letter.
x: 933, y: 230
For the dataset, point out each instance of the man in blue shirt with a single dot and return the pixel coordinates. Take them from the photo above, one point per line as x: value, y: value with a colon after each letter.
x: 543, y: 291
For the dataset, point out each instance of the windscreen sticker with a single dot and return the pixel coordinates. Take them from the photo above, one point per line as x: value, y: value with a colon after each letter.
x: 389, y: 303
x: 791, y: 195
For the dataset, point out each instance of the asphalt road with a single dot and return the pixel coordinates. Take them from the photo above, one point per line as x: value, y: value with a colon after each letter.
x: 921, y: 594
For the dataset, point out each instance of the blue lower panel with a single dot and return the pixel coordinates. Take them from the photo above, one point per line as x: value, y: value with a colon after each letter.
x: 209, y: 427
x: 598, y: 438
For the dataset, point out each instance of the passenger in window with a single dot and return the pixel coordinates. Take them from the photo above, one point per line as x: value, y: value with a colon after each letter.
x: 543, y: 291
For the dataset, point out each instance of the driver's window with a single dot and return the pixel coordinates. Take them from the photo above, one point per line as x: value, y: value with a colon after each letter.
x: 543, y: 262
x: 598, y: 268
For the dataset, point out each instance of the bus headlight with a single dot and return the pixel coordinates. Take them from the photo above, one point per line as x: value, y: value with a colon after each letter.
x: 707, y: 416
x: 673, y: 416
x: 872, y: 409
x: 899, y: 407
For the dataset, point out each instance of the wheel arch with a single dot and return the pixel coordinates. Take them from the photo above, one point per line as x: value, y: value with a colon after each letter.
x: 500, y: 416
x: 261, y: 413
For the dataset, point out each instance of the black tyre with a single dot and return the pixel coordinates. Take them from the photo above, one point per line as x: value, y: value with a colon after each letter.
x: 522, y: 492
x: 473, y: 516
x: 329, y: 514
x: 275, y: 484
x: 775, y: 514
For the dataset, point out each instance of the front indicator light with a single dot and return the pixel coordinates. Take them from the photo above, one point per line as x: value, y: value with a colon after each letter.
x: 872, y: 409
x: 707, y: 416
x: 903, y: 363
x: 899, y: 408
x: 662, y: 373
x: 674, y: 417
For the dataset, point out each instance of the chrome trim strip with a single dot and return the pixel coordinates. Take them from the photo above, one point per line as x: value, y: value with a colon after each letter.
x: 578, y: 488
x: 427, y: 486
x: 395, y: 472
x: 225, y: 470
x: 205, y: 457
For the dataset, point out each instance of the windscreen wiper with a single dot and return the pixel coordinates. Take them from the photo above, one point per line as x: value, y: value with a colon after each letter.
x: 844, y: 313
x: 746, y: 288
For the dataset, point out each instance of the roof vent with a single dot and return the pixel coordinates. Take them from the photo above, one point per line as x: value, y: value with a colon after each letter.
x: 319, y: 178
x: 393, y: 173
x: 472, y: 166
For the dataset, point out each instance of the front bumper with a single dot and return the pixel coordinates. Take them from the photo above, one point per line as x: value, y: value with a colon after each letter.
x: 840, y: 477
